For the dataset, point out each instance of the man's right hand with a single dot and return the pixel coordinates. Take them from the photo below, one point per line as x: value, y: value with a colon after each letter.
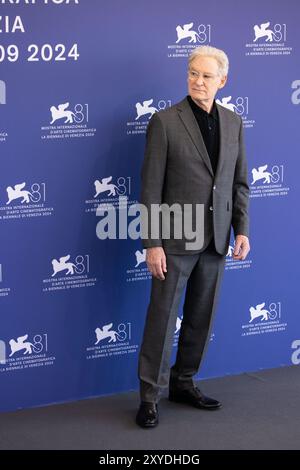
x: 156, y: 262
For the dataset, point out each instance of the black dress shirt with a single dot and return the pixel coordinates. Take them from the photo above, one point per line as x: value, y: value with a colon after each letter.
x: 209, y: 127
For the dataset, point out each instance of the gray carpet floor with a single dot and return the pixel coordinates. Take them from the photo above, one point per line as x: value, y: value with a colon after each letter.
x: 260, y: 410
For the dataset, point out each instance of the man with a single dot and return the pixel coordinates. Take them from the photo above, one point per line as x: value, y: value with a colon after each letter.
x: 194, y: 155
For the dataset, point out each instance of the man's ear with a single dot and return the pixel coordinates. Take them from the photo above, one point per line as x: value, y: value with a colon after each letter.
x: 223, y: 82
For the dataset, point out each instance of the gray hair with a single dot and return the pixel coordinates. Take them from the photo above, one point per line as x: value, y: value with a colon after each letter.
x: 217, y: 54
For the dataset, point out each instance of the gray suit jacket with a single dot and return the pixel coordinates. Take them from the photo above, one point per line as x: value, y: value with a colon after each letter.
x: 177, y: 169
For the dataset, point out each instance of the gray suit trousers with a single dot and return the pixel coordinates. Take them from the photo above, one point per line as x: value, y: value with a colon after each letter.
x: 201, y: 274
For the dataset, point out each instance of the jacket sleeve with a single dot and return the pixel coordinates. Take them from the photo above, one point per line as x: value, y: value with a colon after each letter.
x: 240, y: 191
x: 153, y: 176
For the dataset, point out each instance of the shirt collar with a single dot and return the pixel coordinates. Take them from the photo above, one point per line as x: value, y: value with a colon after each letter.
x: 202, y: 112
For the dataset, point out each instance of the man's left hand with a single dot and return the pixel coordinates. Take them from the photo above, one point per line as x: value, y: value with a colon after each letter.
x: 241, y: 247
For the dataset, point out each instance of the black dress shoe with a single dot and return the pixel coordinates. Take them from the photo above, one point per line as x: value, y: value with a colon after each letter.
x: 194, y: 397
x: 147, y: 415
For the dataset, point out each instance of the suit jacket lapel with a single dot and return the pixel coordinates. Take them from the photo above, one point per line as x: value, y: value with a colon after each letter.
x: 187, y: 116
x: 224, y: 130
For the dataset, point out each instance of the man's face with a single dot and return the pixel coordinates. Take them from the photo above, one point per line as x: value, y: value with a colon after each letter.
x: 204, y: 80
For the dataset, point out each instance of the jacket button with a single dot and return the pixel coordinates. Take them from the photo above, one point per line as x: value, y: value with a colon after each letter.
x: 214, y: 187
x: 211, y: 208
